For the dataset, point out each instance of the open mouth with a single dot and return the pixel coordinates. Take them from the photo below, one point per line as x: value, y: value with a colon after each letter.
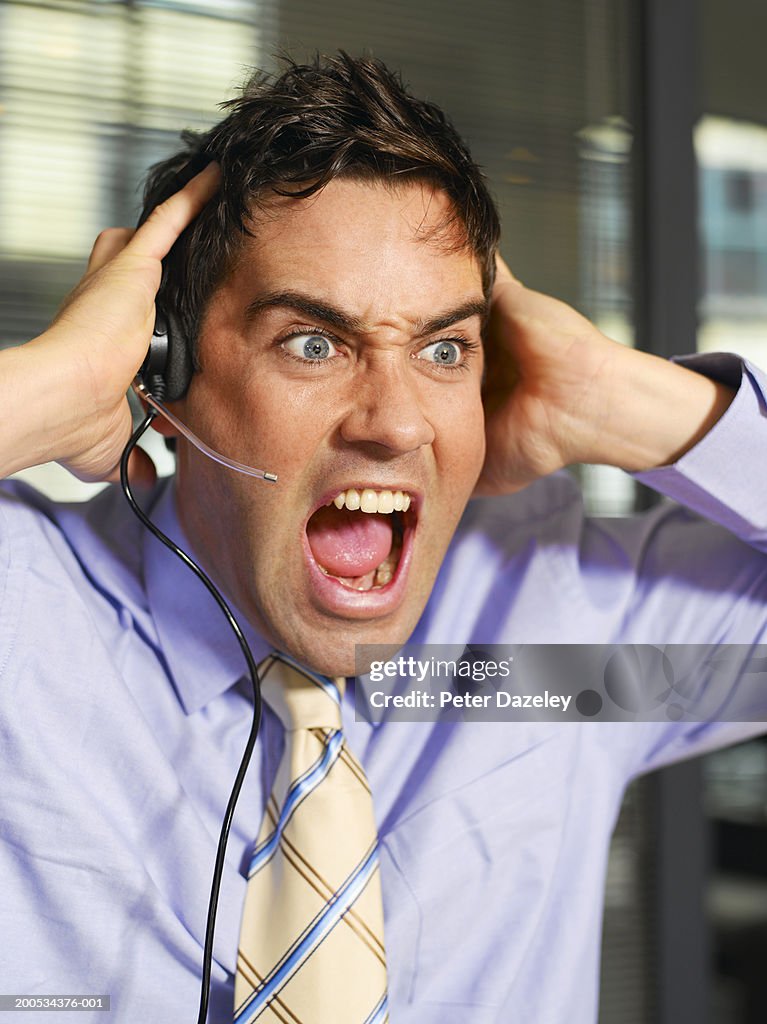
x: 357, y: 538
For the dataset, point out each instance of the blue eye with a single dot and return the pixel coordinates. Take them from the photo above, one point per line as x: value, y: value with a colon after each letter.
x: 315, y: 348
x: 442, y: 353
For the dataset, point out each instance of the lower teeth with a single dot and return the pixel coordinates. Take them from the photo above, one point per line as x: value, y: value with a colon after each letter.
x: 383, y: 575
x: 385, y: 571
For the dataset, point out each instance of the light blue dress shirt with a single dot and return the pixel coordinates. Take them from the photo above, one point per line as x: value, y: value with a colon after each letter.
x: 123, y: 716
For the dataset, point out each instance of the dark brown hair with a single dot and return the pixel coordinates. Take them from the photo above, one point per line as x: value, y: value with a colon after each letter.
x: 291, y: 135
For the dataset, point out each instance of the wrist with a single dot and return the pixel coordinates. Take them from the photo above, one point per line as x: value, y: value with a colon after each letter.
x: 36, y: 392
x: 656, y: 411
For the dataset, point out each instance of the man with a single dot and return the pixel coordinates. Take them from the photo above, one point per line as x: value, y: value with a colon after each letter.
x: 335, y: 293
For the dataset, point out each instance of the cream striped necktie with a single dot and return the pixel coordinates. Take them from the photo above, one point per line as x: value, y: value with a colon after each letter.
x: 311, y: 941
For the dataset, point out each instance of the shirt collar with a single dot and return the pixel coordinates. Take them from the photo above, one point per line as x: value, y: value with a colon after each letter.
x: 200, y: 650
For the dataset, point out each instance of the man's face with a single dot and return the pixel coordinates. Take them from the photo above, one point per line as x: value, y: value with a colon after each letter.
x: 343, y: 353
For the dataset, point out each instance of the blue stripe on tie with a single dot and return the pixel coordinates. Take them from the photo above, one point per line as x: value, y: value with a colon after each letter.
x: 322, y: 925
x: 379, y: 1011
x: 300, y: 789
x: 323, y: 682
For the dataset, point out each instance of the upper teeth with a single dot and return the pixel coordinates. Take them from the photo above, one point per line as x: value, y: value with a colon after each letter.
x: 369, y: 500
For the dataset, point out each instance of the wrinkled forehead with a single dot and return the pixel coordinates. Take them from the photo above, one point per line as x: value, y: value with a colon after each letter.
x: 426, y: 214
x: 390, y: 241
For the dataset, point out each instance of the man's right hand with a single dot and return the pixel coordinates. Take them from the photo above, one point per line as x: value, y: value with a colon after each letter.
x: 63, y: 394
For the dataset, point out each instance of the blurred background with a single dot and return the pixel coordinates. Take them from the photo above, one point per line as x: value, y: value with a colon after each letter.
x: 626, y: 144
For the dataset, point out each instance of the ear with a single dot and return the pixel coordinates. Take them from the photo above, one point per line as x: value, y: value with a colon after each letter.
x: 161, y: 425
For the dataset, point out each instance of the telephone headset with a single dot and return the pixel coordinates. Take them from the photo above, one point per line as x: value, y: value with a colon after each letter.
x: 167, y: 369
x: 165, y: 376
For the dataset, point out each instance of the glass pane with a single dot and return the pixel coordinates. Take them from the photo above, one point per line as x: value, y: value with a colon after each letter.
x: 732, y: 176
x: 731, y: 144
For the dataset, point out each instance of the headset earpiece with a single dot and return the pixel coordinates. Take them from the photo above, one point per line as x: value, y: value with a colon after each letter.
x: 167, y: 369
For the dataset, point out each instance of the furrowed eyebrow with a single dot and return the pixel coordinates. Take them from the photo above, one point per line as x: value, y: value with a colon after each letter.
x: 342, y: 321
x: 474, y: 307
x: 307, y: 305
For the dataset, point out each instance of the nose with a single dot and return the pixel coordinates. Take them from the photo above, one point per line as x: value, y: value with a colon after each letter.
x: 385, y: 407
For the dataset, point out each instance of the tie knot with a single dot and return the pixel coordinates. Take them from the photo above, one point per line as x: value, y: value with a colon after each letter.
x: 301, y: 699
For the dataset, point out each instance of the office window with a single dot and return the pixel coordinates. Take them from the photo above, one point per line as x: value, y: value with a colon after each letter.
x: 90, y: 94
x: 731, y: 143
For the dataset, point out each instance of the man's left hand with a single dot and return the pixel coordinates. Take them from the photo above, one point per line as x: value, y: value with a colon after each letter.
x: 558, y: 392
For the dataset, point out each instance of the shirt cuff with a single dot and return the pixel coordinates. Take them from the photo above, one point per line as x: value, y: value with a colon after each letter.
x: 723, y: 476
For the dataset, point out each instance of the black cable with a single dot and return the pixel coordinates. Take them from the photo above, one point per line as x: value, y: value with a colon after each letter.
x: 253, y: 671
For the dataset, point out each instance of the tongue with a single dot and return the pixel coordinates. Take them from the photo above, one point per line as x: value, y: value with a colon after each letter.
x: 349, y: 544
